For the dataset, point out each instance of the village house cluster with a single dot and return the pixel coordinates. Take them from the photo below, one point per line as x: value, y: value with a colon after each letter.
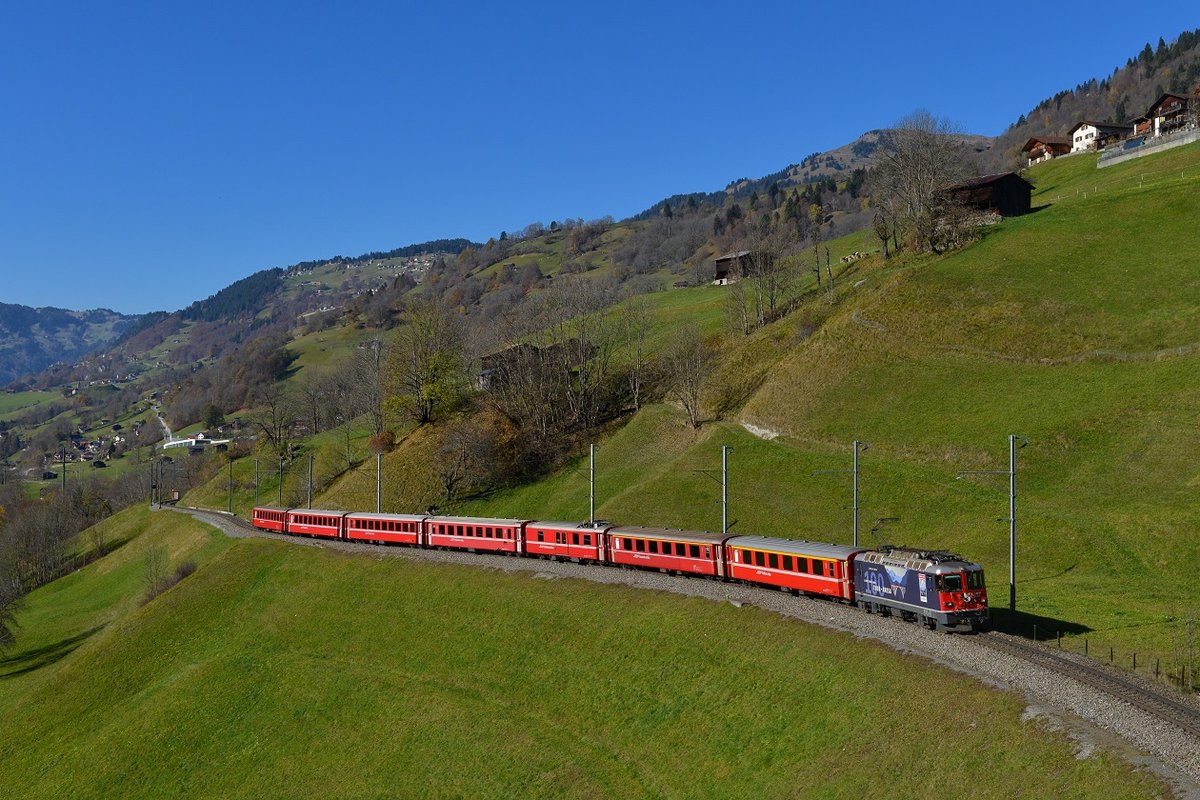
x: 1168, y: 116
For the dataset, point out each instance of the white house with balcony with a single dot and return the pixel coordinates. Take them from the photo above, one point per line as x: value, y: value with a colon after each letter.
x: 1090, y: 135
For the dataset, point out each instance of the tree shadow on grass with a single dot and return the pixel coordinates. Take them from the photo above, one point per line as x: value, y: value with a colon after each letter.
x: 31, y: 660
x: 1034, y: 626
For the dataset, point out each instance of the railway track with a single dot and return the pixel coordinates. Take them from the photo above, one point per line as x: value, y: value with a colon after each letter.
x: 1157, y: 703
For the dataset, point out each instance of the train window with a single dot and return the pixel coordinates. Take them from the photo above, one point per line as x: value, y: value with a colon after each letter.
x: 694, y: 550
x: 541, y: 536
x: 818, y: 567
x: 640, y: 544
x: 787, y: 563
x: 653, y: 545
x: 801, y: 564
x: 759, y: 561
x: 773, y: 561
x: 587, y: 539
x: 574, y: 538
x: 950, y: 583
x: 975, y: 579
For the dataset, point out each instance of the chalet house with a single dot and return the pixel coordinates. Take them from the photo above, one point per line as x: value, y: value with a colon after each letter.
x: 1170, y: 113
x: 1089, y: 135
x: 1005, y: 193
x: 1143, y: 126
x: 1044, y: 148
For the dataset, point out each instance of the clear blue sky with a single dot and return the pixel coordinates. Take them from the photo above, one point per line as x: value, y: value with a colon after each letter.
x: 152, y: 153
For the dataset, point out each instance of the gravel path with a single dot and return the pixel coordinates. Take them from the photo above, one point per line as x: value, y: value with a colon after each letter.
x: 1090, y: 717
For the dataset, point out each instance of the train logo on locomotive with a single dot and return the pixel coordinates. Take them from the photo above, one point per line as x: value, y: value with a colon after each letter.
x: 886, y: 582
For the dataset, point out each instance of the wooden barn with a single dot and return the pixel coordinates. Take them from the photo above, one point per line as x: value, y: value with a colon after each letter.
x: 1006, y: 193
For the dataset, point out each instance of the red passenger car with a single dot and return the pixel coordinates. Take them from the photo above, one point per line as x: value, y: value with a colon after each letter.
x: 573, y: 540
x: 689, y: 552
x: 270, y: 518
x: 812, y: 567
x: 312, y: 522
x: 391, y: 528
x: 479, y: 534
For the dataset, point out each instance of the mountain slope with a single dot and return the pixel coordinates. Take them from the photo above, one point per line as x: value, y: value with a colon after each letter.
x: 32, y: 339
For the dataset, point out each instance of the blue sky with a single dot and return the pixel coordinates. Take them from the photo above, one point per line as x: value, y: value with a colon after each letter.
x: 152, y: 153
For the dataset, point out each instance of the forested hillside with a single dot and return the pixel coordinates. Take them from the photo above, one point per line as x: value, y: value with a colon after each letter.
x: 1118, y: 97
x: 33, y: 338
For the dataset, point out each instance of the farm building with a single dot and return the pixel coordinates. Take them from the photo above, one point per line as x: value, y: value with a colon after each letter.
x: 1006, y: 193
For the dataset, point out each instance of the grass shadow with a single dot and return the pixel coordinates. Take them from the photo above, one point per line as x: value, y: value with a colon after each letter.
x: 32, y: 660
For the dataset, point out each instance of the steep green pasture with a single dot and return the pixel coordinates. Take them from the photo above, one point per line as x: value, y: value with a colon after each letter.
x: 325, y: 349
x: 1078, y: 327
x: 278, y: 670
x: 13, y: 404
x: 80, y: 613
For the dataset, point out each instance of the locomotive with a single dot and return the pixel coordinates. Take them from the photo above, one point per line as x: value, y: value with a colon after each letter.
x: 936, y: 588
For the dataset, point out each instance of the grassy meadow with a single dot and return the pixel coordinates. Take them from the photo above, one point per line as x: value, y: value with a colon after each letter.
x: 284, y: 671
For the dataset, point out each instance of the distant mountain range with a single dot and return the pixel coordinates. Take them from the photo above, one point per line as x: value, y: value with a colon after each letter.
x: 32, y: 339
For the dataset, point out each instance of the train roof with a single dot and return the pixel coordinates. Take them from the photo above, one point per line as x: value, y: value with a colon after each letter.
x: 586, y: 527
x: 797, y: 547
x: 372, y: 515
x: 937, y: 562
x: 669, y: 533
x: 322, y: 511
x: 478, y: 520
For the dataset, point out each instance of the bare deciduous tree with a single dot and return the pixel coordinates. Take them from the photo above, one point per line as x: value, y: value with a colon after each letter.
x: 921, y: 156
x: 689, y: 361
x: 10, y: 604
x: 463, y: 457
x: 428, y: 360
x: 275, y: 418
x: 635, y: 315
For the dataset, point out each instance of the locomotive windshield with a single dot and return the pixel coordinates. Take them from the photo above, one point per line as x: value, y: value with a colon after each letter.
x: 950, y: 583
x: 975, y: 579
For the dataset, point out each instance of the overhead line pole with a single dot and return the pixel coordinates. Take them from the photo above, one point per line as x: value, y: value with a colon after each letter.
x: 1012, y: 511
x: 859, y: 447
x: 725, y: 488
x: 724, y: 481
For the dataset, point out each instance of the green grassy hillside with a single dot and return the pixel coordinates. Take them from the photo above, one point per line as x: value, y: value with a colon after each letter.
x: 283, y: 671
x: 1073, y: 326
x: 81, y: 611
x: 1076, y: 326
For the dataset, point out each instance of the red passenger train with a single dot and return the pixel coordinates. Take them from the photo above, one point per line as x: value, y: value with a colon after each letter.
x: 937, y: 588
